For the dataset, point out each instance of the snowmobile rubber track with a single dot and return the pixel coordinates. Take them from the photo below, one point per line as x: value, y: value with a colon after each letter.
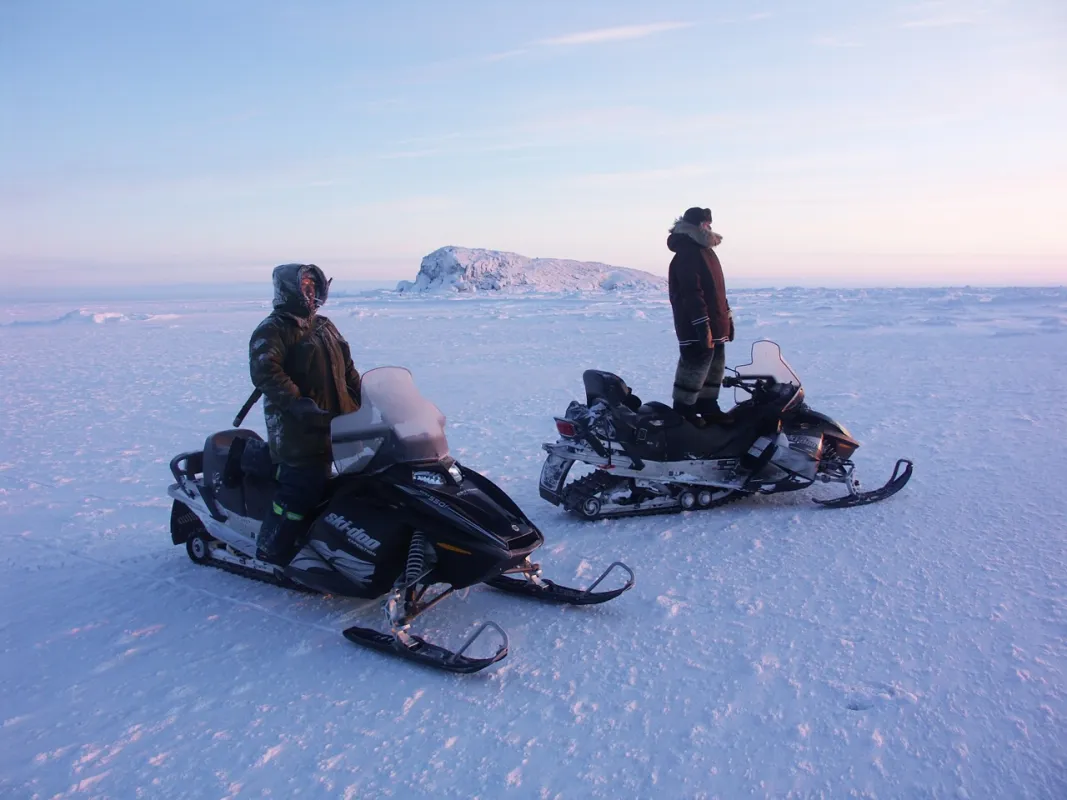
x: 550, y: 592
x: 589, y: 486
x: 257, y: 575
x: 431, y: 655
x: 901, y: 475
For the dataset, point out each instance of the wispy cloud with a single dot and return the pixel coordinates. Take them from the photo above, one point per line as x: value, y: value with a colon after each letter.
x: 568, y: 129
x: 409, y: 154
x: 759, y: 15
x: 505, y: 55
x: 642, y: 175
x: 434, y: 71
x: 835, y: 41
x: 944, y: 14
x: 939, y: 22
x: 616, y: 34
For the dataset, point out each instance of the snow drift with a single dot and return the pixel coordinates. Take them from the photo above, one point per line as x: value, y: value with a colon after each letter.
x: 84, y: 316
x: 461, y: 269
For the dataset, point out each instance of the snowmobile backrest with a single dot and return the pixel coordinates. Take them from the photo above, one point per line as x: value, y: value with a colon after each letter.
x: 606, y: 386
x: 216, y: 454
x: 217, y: 450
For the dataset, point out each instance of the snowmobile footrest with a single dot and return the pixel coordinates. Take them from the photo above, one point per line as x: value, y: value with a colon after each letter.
x: 431, y: 655
x: 901, y: 475
x: 552, y: 592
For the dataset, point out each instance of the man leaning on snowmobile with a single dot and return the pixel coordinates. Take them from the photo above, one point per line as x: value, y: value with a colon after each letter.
x: 303, y: 366
x: 703, y: 321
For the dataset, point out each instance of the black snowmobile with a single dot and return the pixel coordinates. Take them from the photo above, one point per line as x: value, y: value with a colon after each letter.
x: 401, y: 517
x: 649, y: 459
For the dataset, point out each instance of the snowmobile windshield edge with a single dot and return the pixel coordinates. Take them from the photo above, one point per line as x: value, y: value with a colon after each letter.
x: 766, y: 360
x: 395, y: 416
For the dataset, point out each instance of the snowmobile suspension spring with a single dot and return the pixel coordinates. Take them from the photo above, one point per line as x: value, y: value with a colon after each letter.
x: 413, y: 570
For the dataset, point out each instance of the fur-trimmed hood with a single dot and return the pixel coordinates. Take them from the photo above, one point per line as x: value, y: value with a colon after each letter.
x: 701, y: 236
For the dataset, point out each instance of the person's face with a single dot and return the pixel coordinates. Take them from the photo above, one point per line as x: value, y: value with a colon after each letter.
x: 307, y: 288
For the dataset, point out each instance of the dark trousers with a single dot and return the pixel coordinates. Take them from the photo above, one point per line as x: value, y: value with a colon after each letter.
x: 300, y: 489
x: 699, y: 373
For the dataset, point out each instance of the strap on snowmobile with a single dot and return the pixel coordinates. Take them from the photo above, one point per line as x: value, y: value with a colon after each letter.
x: 251, y: 401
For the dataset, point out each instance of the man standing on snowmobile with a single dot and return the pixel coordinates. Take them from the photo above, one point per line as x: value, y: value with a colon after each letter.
x: 303, y: 366
x: 703, y: 321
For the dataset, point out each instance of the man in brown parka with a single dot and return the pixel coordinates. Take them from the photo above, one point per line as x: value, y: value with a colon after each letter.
x: 303, y: 366
x: 703, y: 321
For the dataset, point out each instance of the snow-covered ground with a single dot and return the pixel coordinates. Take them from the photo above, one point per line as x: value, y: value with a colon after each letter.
x: 771, y: 648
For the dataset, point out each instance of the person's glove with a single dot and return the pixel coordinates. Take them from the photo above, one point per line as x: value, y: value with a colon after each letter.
x: 308, y: 413
x: 730, y: 337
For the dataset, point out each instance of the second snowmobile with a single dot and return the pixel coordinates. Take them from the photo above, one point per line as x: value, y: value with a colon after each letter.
x: 647, y: 459
x: 402, y: 519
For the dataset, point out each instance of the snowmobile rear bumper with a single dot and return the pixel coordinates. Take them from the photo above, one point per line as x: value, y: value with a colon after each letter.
x: 553, y: 475
x: 561, y: 457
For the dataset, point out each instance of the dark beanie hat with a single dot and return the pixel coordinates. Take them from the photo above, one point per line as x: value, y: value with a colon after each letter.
x: 695, y: 216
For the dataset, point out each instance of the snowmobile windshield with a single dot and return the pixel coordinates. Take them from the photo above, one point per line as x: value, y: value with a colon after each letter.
x: 766, y: 361
x: 394, y: 425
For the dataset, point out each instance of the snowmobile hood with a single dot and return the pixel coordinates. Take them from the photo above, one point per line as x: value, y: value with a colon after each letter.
x: 287, y: 295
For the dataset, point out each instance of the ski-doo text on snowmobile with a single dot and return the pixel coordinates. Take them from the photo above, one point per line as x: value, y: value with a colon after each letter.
x: 402, y: 520
x: 648, y: 459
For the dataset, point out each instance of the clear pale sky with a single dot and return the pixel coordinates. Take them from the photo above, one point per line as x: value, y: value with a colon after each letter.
x: 835, y: 141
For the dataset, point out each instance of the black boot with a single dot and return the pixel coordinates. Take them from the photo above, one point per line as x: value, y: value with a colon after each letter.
x: 280, y: 536
x: 708, y: 408
x: 688, y: 413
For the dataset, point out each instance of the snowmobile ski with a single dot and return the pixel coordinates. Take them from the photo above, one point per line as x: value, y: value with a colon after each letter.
x: 901, y: 475
x: 535, y: 586
x: 415, y: 648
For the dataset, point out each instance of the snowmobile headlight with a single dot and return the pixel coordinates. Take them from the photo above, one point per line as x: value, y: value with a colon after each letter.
x: 456, y: 473
x: 432, y: 478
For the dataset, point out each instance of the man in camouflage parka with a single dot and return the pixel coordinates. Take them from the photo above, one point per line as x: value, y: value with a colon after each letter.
x: 303, y: 366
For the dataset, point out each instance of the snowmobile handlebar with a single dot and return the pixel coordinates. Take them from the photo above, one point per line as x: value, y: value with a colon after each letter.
x: 744, y: 381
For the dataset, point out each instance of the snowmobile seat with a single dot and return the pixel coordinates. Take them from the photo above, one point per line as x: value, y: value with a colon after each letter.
x: 714, y: 441
x: 654, y: 408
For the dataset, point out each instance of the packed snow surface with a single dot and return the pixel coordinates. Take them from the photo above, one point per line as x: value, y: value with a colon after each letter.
x: 460, y: 269
x: 771, y: 648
